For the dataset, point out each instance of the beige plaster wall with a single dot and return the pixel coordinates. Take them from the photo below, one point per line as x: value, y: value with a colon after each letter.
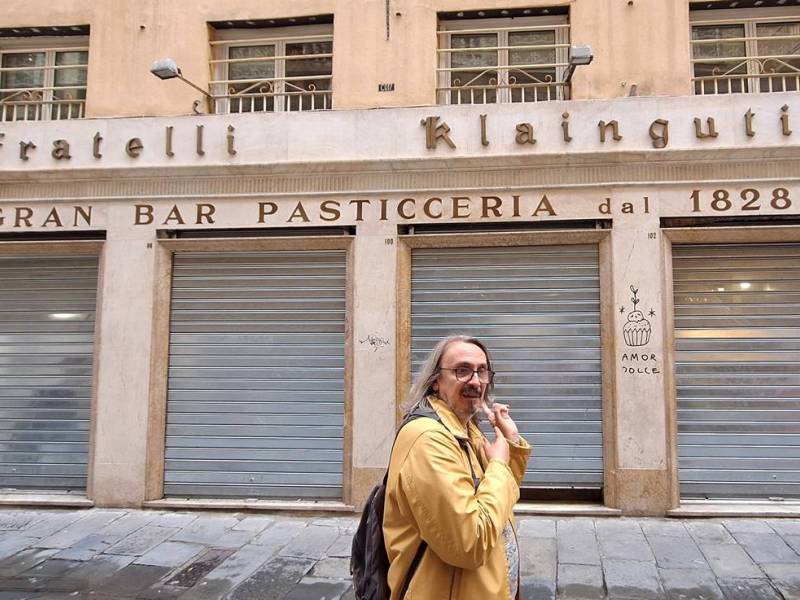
x: 645, y: 43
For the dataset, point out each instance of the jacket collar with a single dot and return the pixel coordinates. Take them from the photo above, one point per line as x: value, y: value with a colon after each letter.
x: 449, y: 418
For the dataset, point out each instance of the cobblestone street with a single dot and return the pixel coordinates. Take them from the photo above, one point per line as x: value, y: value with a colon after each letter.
x: 106, y: 554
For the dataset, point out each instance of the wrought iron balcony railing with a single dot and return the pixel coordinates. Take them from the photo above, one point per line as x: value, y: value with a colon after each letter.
x: 272, y: 75
x: 507, y: 64
x: 43, y: 84
x: 746, y: 56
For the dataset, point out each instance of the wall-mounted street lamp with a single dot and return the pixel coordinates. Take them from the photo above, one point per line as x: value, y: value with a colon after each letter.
x: 166, y: 68
x: 578, y: 57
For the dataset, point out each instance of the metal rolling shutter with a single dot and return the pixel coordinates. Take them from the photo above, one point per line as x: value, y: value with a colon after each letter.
x: 538, y: 310
x: 256, y: 377
x: 737, y: 334
x: 47, y: 311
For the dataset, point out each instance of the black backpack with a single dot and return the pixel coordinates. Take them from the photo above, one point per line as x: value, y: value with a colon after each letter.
x: 369, y: 561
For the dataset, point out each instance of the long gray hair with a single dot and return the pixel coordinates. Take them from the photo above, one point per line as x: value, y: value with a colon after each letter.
x: 429, y: 373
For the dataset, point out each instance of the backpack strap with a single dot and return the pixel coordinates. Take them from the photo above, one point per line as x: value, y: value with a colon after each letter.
x: 423, y: 545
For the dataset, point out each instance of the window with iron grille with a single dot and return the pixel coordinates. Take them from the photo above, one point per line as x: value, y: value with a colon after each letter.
x: 485, y: 61
x: 272, y: 70
x: 43, y: 78
x: 746, y: 51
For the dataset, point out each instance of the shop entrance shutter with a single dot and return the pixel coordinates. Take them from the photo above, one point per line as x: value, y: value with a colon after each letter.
x: 47, y: 310
x: 737, y: 334
x: 256, y: 377
x: 538, y: 310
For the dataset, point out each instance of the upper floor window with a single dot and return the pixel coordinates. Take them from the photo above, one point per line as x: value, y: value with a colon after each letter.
x: 273, y: 68
x: 746, y: 50
x: 502, y: 56
x: 43, y: 77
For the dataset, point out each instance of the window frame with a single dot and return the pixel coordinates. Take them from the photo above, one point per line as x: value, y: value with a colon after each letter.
x: 279, y: 37
x: 50, y: 46
x: 559, y: 24
x: 749, y: 19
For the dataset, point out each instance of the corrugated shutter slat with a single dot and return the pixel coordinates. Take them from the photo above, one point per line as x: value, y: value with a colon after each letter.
x: 256, y: 378
x: 47, y: 314
x: 737, y: 334
x: 538, y: 310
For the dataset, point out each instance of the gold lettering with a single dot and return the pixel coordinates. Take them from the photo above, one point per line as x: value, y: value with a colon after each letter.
x: 435, y: 132
x: 230, y: 140
x: 660, y: 137
x: 544, y: 206
x: 198, y: 139
x: 96, y: 145
x: 22, y: 213
x: 52, y: 217
x: 525, y: 134
x: 360, y: 208
x: 143, y: 215
x: 614, y: 125
x: 627, y: 208
x: 605, y: 207
x: 134, y: 147
x: 516, y: 206
x: 748, y: 123
x: 401, y: 205
x: 384, y: 208
x: 299, y: 212
x: 205, y: 211
x: 330, y: 207
x: 459, y: 205
x: 85, y: 214
x: 174, y: 215
x: 565, y: 127
x: 23, y: 149
x: 61, y: 150
x: 494, y: 208
x: 426, y: 208
x: 785, y: 120
x: 168, y: 141
x: 698, y: 128
x: 266, y: 209
x: 484, y: 138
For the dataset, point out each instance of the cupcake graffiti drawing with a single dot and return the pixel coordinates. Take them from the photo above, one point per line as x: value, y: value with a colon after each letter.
x: 637, y: 330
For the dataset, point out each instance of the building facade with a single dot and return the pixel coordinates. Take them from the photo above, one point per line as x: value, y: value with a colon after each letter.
x: 215, y: 291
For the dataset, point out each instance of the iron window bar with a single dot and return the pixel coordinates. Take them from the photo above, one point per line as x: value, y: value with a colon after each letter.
x: 502, y: 81
x: 277, y: 91
x: 46, y: 101
x: 748, y: 70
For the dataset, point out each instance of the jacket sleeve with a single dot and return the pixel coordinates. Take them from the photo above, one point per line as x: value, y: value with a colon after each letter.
x: 460, y: 524
x: 519, y: 453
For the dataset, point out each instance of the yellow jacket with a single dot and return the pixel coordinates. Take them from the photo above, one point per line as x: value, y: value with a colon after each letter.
x: 430, y: 495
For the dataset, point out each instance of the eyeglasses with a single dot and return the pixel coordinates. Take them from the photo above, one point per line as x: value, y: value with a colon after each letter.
x: 464, y: 374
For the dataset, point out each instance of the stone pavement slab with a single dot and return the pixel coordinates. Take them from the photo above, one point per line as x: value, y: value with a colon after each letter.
x: 729, y: 561
x: 90, y: 523
x: 709, y: 532
x: 580, y: 582
x: 577, y: 542
x: 690, y: 584
x: 767, y: 547
x: 142, y: 540
x: 632, y: 580
x: 274, y: 580
x: 676, y: 552
x: 749, y: 589
x: 170, y: 554
x: 313, y: 543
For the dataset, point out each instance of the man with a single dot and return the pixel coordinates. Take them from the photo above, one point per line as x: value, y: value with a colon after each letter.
x: 451, y: 488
